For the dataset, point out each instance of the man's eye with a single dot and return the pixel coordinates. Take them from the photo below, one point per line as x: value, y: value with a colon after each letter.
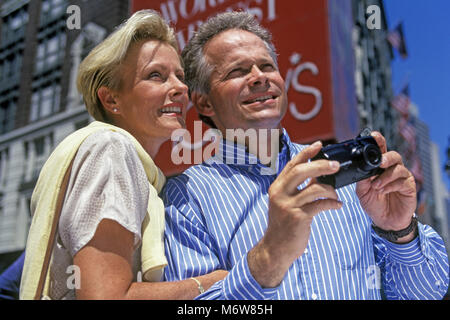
x: 267, y: 67
x: 236, y: 73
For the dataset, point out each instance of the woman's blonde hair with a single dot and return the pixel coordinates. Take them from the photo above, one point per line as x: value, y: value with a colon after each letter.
x: 102, y: 66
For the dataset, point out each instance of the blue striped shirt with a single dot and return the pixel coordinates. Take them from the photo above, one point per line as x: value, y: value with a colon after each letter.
x: 217, y: 212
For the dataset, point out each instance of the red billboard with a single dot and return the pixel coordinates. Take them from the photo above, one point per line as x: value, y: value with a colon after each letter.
x: 315, y: 56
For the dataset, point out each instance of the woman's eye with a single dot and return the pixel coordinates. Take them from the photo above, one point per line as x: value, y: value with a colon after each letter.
x: 155, y: 75
x: 180, y: 77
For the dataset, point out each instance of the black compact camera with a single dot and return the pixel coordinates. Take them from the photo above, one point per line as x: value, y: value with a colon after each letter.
x: 359, y: 159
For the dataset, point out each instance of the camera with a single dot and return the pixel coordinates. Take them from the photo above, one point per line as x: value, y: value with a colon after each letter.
x: 359, y: 159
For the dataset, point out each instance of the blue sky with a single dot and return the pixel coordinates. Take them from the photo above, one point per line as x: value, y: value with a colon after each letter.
x: 427, y: 32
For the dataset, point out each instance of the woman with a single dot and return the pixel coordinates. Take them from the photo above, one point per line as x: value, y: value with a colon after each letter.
x: 132, y: 84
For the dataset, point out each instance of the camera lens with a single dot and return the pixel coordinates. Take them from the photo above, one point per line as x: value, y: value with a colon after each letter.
x: 372, y: 156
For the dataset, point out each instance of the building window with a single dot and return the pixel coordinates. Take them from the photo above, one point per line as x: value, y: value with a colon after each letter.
x: 10, y: 66
x: 13, y: 26
x: 39, y: 144
x: 1, y: 203
x: 45, y: 101
x: 25, y: 202
x: 37, y: 151
x: 50, y: 51
x: 52, y: 9
x: 7, y: 113
x: 4, y: 162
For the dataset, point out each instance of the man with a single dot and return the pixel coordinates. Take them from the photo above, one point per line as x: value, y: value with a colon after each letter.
x: 284, y: 235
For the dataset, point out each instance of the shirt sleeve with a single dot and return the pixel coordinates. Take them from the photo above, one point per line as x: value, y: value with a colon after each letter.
x: 107, y: 181
x: 190, y: 250
x: 10, y: 279
x: 417, y: 270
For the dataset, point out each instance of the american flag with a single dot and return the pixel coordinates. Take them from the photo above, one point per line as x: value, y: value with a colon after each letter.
x: 397, y: 40
x: 408, y: 132
x: 401, y: 102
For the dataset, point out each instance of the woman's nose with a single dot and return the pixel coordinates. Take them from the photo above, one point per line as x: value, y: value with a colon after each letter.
x: 178, y: 87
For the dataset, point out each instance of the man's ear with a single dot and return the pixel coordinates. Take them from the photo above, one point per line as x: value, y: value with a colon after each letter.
x: 108, y: 100
x: 202, y: 104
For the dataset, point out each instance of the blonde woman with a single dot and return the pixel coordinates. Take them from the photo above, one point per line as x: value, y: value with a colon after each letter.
x: 111, y: 219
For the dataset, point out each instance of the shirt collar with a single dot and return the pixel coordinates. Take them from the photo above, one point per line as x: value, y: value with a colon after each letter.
x: 235, y: 154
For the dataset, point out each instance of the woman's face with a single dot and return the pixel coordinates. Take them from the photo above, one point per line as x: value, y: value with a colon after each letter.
x: 153, y: 98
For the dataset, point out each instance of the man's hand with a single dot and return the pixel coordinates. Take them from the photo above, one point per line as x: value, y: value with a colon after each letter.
x: 290, y: 215
x: 390, y: 198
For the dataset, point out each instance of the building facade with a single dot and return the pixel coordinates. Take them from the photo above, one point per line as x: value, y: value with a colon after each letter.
x: 439, y: 216
x: 374, y: 93
x: 424, y: 153
x: 39, y: 105
x: 373, y: 55
x: 434, y: 191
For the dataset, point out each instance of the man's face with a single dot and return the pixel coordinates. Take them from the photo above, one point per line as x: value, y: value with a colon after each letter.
x: 247, y: 90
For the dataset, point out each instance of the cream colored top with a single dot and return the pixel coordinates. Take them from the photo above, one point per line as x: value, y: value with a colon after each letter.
x: 107, y: 181
x: 44, y: 206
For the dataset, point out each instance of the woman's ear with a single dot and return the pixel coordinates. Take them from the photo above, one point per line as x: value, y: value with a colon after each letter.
x: 202, y: 104
x: 108, y: 100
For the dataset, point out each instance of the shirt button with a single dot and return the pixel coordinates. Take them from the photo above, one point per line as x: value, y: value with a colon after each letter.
x: 306, y: 251
x: 314, y: 296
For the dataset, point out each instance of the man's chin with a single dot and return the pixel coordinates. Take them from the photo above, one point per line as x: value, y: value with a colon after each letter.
x: 266, y: 123
x: 270, y: 118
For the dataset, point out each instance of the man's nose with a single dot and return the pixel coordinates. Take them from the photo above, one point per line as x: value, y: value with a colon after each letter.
x: 257, y: 77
